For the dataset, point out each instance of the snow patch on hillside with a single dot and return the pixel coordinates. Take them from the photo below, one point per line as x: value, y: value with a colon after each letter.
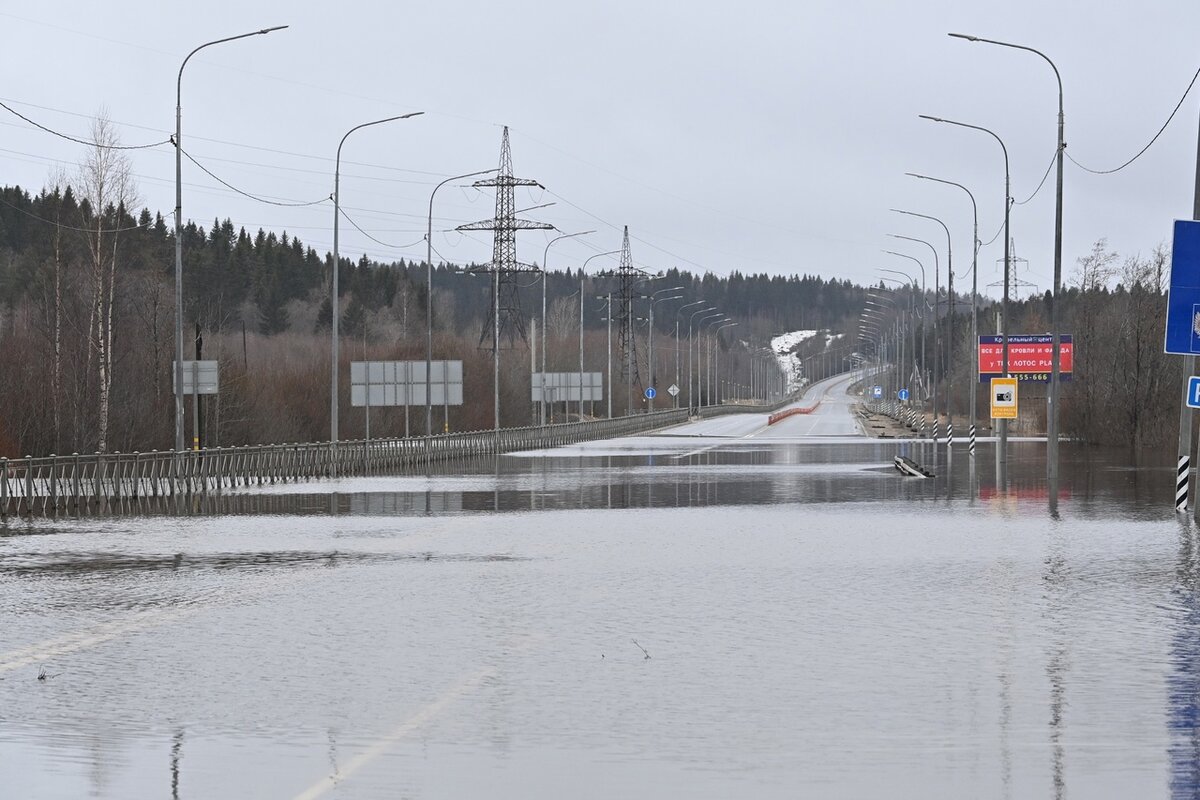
x: 789, y: 362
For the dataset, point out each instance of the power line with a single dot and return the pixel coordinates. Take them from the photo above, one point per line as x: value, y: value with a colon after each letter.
x: 226, y: 141
x: 1152, y: 141
x: 373, y: 239
x: 1040, y: 185
x: 40, y: 126
x: 226, y: 184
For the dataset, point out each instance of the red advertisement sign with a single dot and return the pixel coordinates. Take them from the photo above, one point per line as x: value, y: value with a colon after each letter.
x: 1028, y: 357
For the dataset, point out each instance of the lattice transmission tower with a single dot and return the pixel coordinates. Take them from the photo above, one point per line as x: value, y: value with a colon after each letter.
x: 504, y: 321
x: 628, y: 276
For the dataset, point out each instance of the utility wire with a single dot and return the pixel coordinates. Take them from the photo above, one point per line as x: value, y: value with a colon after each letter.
x: 1151, y: 142
x: 349, y: 219
x: 40, y: 126
x: 994, y: 238
x: 1040, y: 185
x: 228, y: 185
x: 194, y: 137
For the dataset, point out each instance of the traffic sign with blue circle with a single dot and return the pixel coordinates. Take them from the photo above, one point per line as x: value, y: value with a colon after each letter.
x: 651, y: 393
x: 902, y: 395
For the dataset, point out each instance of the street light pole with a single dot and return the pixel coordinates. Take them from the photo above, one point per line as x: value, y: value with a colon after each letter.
x: 546, y: 255
x: 932, y: 372
x: 717, y: 382
x: 607, y: 314
x: 948, y: 346
x: 707, y: 381
x: 429, y: 305
x: 650, y: 334
x: 1055, y: 358
x: 690, y: 320
x: 912, y: 313
x: 699, y: 371
x: 608, y: 319
x: 679, y: 311
x: 333, y: 300
x: 1002, y: 454
x: 179, y: 225
x: 974, y: 301
x: 924, y: 305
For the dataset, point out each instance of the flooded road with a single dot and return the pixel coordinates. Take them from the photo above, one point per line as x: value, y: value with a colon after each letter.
x: 732, y: 611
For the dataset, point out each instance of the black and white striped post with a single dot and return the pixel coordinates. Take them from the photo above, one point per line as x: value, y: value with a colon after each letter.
x: 949, y: 434
x: 1181, y: 483
x: 971, y: 440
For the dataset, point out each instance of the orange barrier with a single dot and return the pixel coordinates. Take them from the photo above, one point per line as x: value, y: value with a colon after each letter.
x: 791, y: 412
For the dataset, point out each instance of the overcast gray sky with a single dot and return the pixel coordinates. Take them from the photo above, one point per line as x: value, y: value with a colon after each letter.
x: 761, y: 136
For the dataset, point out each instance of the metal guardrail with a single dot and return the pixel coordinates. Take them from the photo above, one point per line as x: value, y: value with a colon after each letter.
x: 84, y: 483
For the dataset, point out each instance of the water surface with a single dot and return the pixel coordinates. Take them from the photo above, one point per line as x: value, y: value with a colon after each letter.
x: 657, y: 616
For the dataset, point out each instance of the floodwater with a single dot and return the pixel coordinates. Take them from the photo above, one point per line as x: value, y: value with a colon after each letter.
x: 738, y: 614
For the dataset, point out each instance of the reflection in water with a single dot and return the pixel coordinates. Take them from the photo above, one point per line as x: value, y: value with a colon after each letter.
x: 176, y: 750
x: 1183, y: 682
x: 1055, y: 583
x: 721, y: 472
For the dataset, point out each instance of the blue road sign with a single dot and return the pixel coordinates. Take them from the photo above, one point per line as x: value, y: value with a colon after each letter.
x: 1183, y: 297
x: 902, y: 395
x: 650, y: 393
x: 1193, y: 398
x: 876, y: 392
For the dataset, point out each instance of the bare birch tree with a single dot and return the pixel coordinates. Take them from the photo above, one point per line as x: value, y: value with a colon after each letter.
x: 105, y: 181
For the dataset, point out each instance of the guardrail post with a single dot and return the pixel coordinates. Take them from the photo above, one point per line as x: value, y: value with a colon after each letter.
x: 75, y: 467
x: 3, y: 488
x: 54, y: 472
x: 29, y: 484
x: 98, y: 479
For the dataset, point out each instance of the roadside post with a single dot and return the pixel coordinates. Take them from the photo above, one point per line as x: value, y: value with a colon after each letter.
x: 1182, y: 337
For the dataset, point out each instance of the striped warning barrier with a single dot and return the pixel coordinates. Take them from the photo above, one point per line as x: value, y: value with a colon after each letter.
x: 791, y: 412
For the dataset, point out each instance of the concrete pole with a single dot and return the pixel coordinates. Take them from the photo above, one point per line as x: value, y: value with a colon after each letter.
x: 581, y: 345
x: 1185, y: 411
x: 179, y: 225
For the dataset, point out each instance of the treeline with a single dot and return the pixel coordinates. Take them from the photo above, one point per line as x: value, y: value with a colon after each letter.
x: 87, y: 324
x: 1124, y: 389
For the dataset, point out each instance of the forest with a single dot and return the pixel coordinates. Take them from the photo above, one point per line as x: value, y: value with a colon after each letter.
x: 87, y: 329
x: 87, y: 325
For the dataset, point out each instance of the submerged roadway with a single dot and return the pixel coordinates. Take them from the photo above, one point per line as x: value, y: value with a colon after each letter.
x: 831, y: 416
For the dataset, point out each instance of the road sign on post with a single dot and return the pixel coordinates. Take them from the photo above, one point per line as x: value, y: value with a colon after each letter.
x: 902, y: 395
x: 1004, y: 398
x: 651, y: 393
x: 673, y: 390
x: 1193, y: 392
x: 565, y: 386
x: 199, y: 377
x: 1183, y: 295
x: 877, y: 392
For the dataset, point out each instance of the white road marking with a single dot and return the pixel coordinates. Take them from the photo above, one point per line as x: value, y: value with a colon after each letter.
x: 115, y: 629
x: 405, y: 728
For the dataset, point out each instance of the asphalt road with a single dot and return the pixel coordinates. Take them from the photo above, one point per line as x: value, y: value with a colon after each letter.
x: 832, y: 417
